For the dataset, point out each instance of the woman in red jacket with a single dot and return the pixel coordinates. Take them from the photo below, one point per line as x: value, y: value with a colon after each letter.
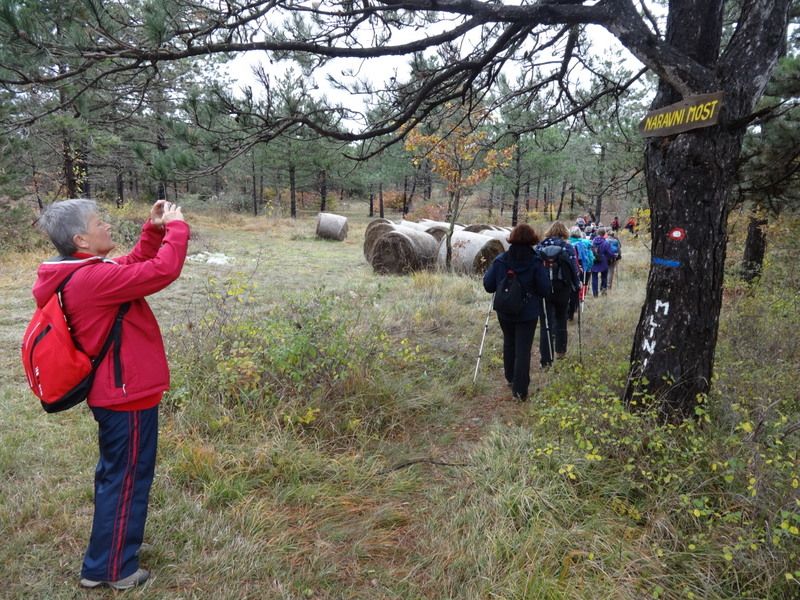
x: 132, y: 377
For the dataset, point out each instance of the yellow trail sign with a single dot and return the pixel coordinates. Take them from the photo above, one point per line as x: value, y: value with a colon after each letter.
x: 692, y: 113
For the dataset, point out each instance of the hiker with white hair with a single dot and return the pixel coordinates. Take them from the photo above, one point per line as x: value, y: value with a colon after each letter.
x: 131, y: 377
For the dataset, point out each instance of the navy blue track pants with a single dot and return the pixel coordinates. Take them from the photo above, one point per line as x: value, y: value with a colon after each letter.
x: 517, y: 343
x: 124, y: 474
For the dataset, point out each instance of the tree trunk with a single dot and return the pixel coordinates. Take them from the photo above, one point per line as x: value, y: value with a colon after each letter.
x: 371, y: 202
x: 410, y: 205
x: 323, y: 190
x: 517, y: 182
x: 491, y: 200
x: 82, y: 173
x: 527, y: 198
x: 688, y: 180
x: 70, y: 181
x: 428, y: 182
x: 380, y: 199
x: 405, y: 194
x: 253, y: 181
x: 120, y: 190
x: 754, y: 249
x: 688, y: 187
x: 561, y: 201
x: 292, y: 191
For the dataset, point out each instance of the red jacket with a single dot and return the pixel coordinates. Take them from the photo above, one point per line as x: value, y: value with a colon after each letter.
x: 93, y: 296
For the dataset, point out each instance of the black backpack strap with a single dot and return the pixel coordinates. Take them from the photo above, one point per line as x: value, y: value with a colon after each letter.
x: 114, y: 337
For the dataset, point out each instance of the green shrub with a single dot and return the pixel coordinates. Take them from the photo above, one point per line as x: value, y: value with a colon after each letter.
x: 312, y: 362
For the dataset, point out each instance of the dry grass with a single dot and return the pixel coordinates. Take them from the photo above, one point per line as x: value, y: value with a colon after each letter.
x: 247, y: 506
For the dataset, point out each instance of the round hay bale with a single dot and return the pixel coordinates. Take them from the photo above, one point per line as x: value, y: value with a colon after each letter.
x: 472, y: 252
x: 414, y: 225
x: 432, y: 223
x: 372, y: 234
x: 498, y: 234
x: 478, y: 227
x: 376, y: 221
x: 437, y: 232
x: 403, y: 250
x: 331, y: 226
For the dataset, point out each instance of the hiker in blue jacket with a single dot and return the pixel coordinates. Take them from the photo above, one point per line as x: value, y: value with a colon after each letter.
x: 518, y: 329
x: 585, y: 262
x: 603, y: 255
x: 560, y: 260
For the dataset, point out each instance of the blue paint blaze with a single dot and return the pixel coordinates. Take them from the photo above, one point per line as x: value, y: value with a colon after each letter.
x: 666, y: 262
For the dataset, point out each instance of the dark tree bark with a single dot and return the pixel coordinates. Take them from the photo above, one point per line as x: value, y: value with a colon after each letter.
x: 754, y: 249
x: 410, y: 204
x: 527, y: 197
x: 517, y: 181
x: 688, y: 182
x: 253, y: 182
x: 561, y: 201
x: 120, y: 190
x: 68, y: 157
x: 323, y: 190
x: 428, y: 178
x: 292, y: 191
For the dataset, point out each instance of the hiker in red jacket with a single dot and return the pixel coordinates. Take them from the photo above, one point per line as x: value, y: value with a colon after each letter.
x: 132, y: 377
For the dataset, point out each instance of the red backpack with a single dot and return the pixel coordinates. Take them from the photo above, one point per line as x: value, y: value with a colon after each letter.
x: 59, y: 372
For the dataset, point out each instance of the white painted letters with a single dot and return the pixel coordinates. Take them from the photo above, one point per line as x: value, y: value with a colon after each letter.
x: 649, y: 342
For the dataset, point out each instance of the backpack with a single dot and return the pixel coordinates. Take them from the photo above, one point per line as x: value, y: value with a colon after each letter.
x: 59, y: 372
x: 556, y: 260
x: 586, y: 255
x: 614, y: 245
x: 510, y: 298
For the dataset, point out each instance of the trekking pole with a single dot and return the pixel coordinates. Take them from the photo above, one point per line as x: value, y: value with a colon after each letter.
x: 580, y: 342
x: 547, y: 328
x: 483, y: 338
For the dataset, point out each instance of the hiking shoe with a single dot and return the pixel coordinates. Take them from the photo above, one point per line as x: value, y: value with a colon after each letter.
x: 138, y: 577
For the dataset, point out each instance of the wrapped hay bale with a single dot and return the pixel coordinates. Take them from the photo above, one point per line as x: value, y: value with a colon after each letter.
x: 403, y: 250
x: 472, y: 252
x: 376, y: 221
x: 432, y: 223
x: 415, y: 225
x: 372, y: 234
x: 498, y: 234
x: 331, y: 226
x: 438, y: 232
x: 478, y: 227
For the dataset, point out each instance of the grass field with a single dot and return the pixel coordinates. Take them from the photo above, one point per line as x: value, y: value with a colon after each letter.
x: 323, y: 439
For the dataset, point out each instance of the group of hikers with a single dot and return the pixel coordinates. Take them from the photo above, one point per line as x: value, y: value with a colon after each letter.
x: 553, y: 275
